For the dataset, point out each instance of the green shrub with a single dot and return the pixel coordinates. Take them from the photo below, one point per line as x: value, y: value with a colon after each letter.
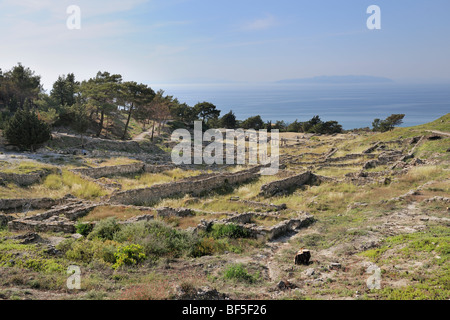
x: 158, y: 239
x: 89, y: 250
x: 238, y: 272
x: 84, y: 228
x: 108, y: 251
x: 128, y: 255
x: 26, y: 130
x: 43, y: 265
x: 208, y: 246
x: 228, y: 231
x: 105, y: 229
x: 65, y: 245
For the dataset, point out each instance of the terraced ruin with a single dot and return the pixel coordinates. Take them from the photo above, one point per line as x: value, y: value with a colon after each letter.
x: 352, y: 200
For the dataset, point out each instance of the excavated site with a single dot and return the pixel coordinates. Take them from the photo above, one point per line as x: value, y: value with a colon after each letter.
x: 340, y: 207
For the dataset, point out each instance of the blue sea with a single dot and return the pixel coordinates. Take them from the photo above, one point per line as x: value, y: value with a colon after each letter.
x: 352, y: 105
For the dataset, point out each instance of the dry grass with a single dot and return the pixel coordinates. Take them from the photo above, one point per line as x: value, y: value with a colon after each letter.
x: 148, y: 179
x: 102, y: 162
x: 24, y: 167
x: 121, y: 213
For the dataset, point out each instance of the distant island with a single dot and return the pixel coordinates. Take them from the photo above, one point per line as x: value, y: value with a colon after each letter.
x: 338, y: 80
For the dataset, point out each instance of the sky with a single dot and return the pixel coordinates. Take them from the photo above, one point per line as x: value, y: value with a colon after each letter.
x: 189, y: 41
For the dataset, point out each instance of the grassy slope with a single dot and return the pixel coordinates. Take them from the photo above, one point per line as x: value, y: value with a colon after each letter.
x: 419, y: 262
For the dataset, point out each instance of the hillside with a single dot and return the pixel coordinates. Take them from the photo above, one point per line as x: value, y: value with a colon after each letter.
x: 138, y: 227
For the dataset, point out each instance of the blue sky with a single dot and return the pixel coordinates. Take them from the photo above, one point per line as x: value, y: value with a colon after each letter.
x: 185, y: 41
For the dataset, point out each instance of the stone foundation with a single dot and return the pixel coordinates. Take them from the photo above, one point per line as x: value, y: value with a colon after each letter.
x: 24, y: 180
x: 192, y: 185
x: 27, y: 204
x: 260, y: 232
x: 280, y: 186
x: 100, y: 172
x: 174, y: 212
x: 59, y: 219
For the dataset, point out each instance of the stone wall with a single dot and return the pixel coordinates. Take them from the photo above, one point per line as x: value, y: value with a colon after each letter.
x: 373, y: 147
x: 60, y: 219
x: 329, y: 162
x: 384, y: 158
x: 158, y: 168
x: 54, y: 224
x: 27, y: 204
x: 279, y: 186
x: 192, y: 185
x: 266, y: 206
x: 259, y: 232
x: 286, y: 226
x: 125, y: 169
x: 330, y: 153
x: 22, y: 179
x: 111, y: 170
x: 351, y: 156
x: 174, y: 212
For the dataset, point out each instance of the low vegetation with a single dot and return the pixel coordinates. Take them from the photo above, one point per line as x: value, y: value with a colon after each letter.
x: 385, y: 219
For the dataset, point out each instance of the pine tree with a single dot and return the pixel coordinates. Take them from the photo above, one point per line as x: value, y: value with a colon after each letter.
x: 26, y: 130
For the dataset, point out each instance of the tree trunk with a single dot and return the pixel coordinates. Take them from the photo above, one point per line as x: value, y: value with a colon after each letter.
x: 102, y: 118
x: 128, y: 122
x: 153, y: 130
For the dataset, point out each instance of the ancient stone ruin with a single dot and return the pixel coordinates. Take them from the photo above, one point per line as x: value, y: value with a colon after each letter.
x: 260, y: 232
x: 280, y: 186
x: 194, y: 185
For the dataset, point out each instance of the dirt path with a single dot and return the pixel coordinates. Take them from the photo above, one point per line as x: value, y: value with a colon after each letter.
x: 440, y: 132
x: 272, y: 264
x: 142, y: 135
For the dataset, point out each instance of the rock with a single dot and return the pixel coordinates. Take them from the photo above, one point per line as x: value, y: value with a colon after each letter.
x: 416, y: 162
x: 281, y: 285
x: 335, y: 266
x: 204, y: 293
x: 356, y: 205
x: 145, y: 217
x: 51, y: 250
x: 310, y: 272
x: 28, y: 238
x: 177, y: 212
x: 302, y: 257
x: 285, y: 285
x: 371, y: 164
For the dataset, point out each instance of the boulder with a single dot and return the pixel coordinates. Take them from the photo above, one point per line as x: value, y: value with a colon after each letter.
x: 335, y: 266
x: 302, y: 257
x: 285, y: 285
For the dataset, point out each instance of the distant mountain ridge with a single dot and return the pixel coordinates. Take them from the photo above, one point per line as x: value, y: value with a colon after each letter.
x: 338, y: 80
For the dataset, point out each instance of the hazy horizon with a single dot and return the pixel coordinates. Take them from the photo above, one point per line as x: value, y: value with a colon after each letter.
x: 156, y: 41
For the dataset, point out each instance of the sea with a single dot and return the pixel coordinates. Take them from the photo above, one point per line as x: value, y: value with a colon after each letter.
x: 352, y: 105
